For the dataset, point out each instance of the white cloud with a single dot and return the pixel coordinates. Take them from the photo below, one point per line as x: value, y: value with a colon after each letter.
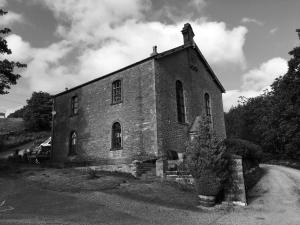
x: 93, y: 20
x: 107, y: 35
x: 3, y: 3
x: 260, y: 78
x: 10, y: 17
x: 219, y: 44
x: 21, y: 50
x: 256, y: 81
x: 231, y: 97
x: 274, y: 30
x: 198, y: 4
x: 251, y: 20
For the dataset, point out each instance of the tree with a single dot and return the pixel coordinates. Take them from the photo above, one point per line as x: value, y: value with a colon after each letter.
x: 7, y: 75
x: 18, y: 113
x: 37, y: 114
x: 272, y: 119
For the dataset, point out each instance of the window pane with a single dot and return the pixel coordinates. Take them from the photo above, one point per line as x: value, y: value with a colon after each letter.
x: 75, y: 105
x: 207, y: 106
x: 116, y: 91
x: 73, y: 143
x: 180, y: 102
x: 116, y: 136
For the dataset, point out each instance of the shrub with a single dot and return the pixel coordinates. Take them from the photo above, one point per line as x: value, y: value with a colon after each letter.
x: 249, y: 151
x: 207, y: 160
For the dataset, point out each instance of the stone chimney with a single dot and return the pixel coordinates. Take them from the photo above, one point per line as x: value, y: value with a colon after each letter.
x: 298, y: 31
x: 154, y: 51
x: 188, y: 34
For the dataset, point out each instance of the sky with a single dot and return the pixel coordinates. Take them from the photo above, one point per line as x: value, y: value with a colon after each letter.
x: 68, y: 42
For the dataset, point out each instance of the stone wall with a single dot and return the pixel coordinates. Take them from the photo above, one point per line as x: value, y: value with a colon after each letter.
x: 187, y: 67
x: 237, y: 193
x: 136, y: 114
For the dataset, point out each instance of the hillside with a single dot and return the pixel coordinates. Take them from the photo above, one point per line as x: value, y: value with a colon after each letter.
x: 8, y: 125
x: 13, y: 134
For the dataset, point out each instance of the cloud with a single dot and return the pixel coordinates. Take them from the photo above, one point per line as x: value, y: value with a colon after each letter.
x: 3, y: 3
x: 10, y: 17
x: 21, y: 50
x: 198, y: 4
x: 255, y: 81
x: 251, y: 20
x: 231, y: 97
x: 175, y: 11
x: 274, y: 30
x: 260, y: 78
x: 98, y: 37
x: 219, y: 44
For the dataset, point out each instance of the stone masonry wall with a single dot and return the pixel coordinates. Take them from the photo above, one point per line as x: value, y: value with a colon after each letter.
x: 93, y: 124
x: 181, y: 66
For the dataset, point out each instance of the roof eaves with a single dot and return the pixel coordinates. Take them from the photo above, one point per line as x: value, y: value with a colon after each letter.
x: 171, y: 51
x: 194, y: 46
x: 212, y: 73
x: 157, y: 56
x: 102, y: 77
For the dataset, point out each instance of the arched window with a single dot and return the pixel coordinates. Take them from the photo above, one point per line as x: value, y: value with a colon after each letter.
x: 116, y: 92
x: 74, y: 105
x: 207, y: 106
x: 116, y: 139
x: 73, y: 143
x: 180, y: 102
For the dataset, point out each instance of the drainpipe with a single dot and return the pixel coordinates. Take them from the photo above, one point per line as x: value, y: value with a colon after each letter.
x: 52, y: 127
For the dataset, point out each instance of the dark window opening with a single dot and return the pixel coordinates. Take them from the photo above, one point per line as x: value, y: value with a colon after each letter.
x: 116, y: 92
x: 207, y: 107
x: 180, y: 102
x: 73, y: 143
x: 116, y: 142
x: 75, y: 105
x: 172, y: 155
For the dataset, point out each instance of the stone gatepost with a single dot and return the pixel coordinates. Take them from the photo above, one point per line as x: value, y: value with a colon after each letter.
x: 237, y: 193
x: 161, y: 167
x: 135, y: 168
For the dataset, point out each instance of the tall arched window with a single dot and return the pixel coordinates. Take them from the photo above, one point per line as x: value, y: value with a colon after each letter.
x: 74, y: 105
x: 207, y: 106
x: 73, y: 143
x: 116, y: 139
x: 116, y: 92
x: 180, y: 102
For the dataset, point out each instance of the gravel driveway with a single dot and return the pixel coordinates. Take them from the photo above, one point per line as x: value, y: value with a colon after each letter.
x: 276, y: 200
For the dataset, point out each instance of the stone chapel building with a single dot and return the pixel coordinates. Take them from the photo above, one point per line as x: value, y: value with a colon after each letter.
x: 141, y: 112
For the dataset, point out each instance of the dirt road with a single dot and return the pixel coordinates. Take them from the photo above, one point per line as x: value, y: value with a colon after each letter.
x: 275, y: 200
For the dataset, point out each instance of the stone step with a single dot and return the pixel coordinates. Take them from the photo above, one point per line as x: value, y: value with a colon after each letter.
x: 181, y: 173
x: 147, y: 171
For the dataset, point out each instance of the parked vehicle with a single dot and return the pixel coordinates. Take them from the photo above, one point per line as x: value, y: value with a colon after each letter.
x: 40, y: 152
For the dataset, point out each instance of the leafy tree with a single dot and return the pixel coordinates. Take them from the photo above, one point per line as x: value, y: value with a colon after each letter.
x: 273, y: 118
x: 37, y: 115
x: 18, y: 113
x: 7, y: 75
x: 286, y: 100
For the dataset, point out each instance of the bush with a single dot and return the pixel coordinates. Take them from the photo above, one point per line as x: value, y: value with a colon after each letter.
x: 250, y: 152
x: 207, y: 160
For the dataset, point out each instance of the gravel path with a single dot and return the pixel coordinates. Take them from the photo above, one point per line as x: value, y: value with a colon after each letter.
x: 276, y: 200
